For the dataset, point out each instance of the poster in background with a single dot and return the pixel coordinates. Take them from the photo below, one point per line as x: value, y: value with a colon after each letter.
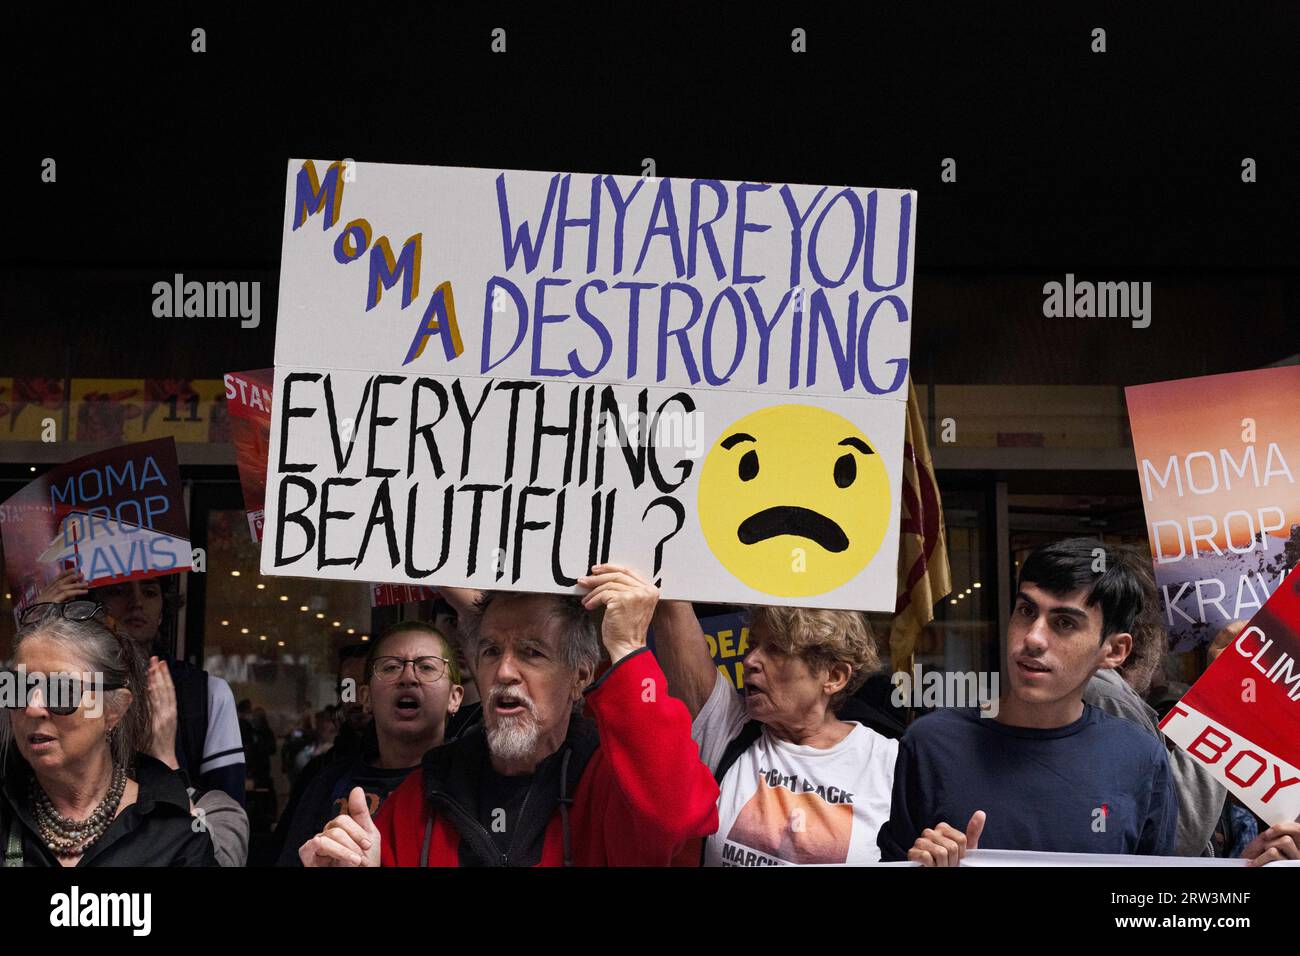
x: 114, y: 411
x: 29, y: 405
x: 248, y: 406
x: 1217, y: 459
x: 118, y: 515
x: 727, y: 636
x: 383, y: 595
x: 180, y: 408
x: 1241, y: 719
x: 496, y: 378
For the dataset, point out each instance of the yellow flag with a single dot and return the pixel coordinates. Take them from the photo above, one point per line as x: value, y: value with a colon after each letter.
x: 923, y: 574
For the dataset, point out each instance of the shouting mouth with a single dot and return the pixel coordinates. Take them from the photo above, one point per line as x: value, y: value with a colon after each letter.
x: 789, y: 519
x: 408, y: 705
x: 510, y: 705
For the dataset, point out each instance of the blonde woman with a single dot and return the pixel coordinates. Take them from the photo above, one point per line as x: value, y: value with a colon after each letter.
x: 798, y: 785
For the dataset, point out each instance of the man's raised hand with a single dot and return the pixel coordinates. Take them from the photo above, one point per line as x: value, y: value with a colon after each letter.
x: 350, y: 839
x: 629, y: 603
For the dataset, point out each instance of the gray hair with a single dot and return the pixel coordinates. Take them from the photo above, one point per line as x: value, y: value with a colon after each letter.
x: 579, y: 642
x: 104, y: 653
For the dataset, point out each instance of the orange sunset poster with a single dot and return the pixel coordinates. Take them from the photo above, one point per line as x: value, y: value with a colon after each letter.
x: 1217, y: 461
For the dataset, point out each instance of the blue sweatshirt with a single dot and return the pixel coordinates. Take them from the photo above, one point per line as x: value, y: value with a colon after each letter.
x: 1098, y: 785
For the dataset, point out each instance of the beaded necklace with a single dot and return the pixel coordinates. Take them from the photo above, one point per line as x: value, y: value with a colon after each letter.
x: 66, y: 837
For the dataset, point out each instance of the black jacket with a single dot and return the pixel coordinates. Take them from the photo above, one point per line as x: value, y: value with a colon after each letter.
x: 348, y: 745
x: 452, y: 779
x: 311, y: 810
x: 156, y: 830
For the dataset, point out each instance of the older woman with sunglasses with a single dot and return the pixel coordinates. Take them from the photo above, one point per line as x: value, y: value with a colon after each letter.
x: 77, y: 787
x: 195, y: 726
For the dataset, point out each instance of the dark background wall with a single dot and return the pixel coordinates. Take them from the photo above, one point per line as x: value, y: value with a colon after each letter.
x: 1123, y: 165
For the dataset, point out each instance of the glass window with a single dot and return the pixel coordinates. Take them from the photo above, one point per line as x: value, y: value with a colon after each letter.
x: 276, y: 641
x: 963, y: 636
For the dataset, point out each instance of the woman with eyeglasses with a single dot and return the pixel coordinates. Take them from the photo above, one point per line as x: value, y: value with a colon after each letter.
x: 195, y: 723
x: 78, y: 787
x: 411, y: 687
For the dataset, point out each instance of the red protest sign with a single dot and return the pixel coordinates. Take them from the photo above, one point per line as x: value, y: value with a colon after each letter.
x: 248, y: 405
x: 382, y: 595
x: 1241, y: 720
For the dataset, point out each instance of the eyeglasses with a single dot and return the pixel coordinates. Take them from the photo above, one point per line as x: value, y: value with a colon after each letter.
x: 427, y: 669
x: 72, y: 610
x: 60, y: 694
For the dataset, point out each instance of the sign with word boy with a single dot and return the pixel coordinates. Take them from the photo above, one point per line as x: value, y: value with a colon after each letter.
x: 1241, y: 720
x: 499, y: 378
x: 117, y: 515
x: 1216, y: 461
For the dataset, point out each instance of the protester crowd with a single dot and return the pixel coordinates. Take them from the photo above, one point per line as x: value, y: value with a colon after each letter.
x: 540, y: 730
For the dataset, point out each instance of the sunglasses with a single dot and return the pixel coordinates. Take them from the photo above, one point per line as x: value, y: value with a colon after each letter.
x: 72, y: 610
x: 60, y: 694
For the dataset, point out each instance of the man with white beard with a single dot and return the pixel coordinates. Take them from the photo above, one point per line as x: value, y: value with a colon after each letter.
x: 540, y: 783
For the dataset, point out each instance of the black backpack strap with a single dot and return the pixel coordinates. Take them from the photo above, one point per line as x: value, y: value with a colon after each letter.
x: 199, y: 736
x: 192, y: 712
x: 739, y: 744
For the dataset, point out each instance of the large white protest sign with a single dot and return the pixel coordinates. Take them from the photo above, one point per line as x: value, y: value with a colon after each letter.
x: 497, y: 378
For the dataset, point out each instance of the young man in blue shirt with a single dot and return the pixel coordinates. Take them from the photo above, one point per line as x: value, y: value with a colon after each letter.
x: 1048, y: 772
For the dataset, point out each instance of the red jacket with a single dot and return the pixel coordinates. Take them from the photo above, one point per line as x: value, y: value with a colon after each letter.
x: 638, y: 789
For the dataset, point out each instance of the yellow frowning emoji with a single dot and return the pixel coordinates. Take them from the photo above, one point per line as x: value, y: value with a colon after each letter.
x: 793, y: 500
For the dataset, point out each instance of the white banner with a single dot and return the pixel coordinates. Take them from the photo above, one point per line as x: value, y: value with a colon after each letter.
x: 1037, y: 858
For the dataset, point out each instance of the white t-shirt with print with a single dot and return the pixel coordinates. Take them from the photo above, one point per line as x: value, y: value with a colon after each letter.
x: 785, y: 804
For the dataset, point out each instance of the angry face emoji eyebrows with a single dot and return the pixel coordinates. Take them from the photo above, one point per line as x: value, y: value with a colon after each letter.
x: 731, y: 441
x: 859, y: 444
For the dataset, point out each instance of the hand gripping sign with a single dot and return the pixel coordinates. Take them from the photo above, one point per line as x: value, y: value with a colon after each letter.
x: 498, y: 378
